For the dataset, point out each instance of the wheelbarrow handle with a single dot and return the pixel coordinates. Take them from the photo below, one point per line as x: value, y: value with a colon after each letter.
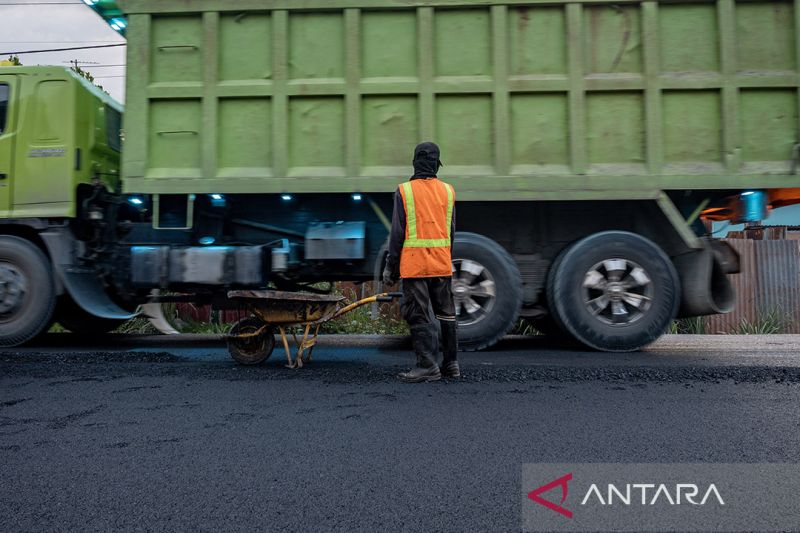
x: 384, y: 297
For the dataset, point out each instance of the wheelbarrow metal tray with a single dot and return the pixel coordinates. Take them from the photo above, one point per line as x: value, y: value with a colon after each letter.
x: 289, y: 308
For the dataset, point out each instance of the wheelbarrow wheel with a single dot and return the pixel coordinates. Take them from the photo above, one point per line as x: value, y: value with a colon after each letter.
x: 250, y: 350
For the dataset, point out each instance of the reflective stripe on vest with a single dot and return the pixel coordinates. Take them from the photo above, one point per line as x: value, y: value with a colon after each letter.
x: 411, y: 221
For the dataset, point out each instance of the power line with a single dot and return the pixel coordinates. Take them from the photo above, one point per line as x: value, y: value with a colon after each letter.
x: 90, y: 64
x: 54, y: 42
x: 62, y: 49
x: 42, y: 4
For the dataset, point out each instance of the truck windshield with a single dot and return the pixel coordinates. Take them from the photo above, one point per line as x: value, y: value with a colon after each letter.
x: 3, y: 106
x: 114, y: 127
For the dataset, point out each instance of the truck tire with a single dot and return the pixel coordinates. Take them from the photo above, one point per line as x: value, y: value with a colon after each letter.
x: 27, y: 291
x: 487, y: 288
x: 553, y: 320
x: 614, y: 291
x: 74, y: 319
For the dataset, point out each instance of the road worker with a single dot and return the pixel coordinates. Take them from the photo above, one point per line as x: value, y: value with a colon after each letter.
x: 420, y: 253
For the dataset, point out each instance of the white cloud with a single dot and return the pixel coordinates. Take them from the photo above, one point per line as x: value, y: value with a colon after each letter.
x: 35, y: 26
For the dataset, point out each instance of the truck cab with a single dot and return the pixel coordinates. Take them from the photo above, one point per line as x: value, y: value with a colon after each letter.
x: 59, y: 140
x: 58, y: 131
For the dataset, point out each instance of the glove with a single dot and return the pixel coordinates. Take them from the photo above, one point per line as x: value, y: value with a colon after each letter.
x: 389, y: 276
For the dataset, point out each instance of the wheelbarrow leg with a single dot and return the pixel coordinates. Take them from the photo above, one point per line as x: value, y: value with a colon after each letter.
x: 289, y: 364
x: 301, y: 346
x: 313, y: 343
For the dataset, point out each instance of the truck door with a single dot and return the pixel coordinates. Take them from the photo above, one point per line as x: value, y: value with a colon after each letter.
x: 8, y: 95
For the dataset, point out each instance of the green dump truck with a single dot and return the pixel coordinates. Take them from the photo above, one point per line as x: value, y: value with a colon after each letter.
x: 263, y: 140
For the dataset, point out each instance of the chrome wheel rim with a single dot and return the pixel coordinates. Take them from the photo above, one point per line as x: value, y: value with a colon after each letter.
x: 474, y: 291
x: 13, y: 289
x: 617, y: 292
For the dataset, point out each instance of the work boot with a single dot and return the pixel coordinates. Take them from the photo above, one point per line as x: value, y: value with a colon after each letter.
x: 450, y: 370
x: 419, y: 374
x: 423, y: 338
x: 449, y: 367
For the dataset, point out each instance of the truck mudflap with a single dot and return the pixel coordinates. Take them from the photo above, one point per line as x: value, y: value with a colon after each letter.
x: 705, y: 287
x: 82, y: 284
x: 85, y: 288
x: 154, y: 312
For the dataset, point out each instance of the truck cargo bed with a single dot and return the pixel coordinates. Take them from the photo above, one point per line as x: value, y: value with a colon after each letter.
x: 528, y: 100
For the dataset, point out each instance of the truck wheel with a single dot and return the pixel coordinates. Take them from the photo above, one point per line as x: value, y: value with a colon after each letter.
x: 614, y: 291
x: 27, y: 291
x: 73, y: 318
x: 487, y: 289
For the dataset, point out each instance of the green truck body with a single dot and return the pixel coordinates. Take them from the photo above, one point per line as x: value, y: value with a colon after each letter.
x: 528, y: 100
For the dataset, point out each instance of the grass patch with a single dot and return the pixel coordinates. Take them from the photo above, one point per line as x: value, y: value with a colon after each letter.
x: 360, y: 321
x: 688, y: 326
x: 137, y: 326
x: 205, y: 328
x: 525, y: 328
x: 770, y: 323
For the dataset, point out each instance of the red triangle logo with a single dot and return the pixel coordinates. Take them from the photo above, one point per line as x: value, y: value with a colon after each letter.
x: 562, y: 482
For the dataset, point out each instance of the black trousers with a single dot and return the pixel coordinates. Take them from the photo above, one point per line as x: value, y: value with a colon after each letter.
x: 419, y: 293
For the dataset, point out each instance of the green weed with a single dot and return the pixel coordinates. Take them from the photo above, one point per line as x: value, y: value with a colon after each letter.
x: 688, y: 326
x: 360, y: 321
x: 205, y: 328
x: 770, y: 323
x: 525, y: 328
x: 137, y: 326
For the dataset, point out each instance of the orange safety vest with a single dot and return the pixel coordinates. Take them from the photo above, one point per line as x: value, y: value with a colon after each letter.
x: 429, y: 218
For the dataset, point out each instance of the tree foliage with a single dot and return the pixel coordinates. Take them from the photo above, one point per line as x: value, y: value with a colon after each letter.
x: 12, y: 61
x: 76, y: 68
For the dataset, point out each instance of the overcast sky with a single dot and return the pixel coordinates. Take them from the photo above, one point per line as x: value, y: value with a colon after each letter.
x: 35, y: 25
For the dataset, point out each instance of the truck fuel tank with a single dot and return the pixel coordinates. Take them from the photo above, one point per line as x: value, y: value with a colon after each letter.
x: 165, y: 266
x: 336, y: 240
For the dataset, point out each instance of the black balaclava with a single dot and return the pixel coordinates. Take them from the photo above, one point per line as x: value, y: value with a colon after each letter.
x: 426, y: 160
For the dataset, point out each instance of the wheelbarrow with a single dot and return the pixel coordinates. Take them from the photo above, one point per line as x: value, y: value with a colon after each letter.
x: 252, y: 339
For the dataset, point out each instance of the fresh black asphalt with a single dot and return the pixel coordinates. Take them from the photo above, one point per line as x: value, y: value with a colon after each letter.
x: 166, y: 434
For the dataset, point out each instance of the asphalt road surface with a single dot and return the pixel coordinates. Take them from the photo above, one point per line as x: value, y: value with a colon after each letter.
x: 166, y: 434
